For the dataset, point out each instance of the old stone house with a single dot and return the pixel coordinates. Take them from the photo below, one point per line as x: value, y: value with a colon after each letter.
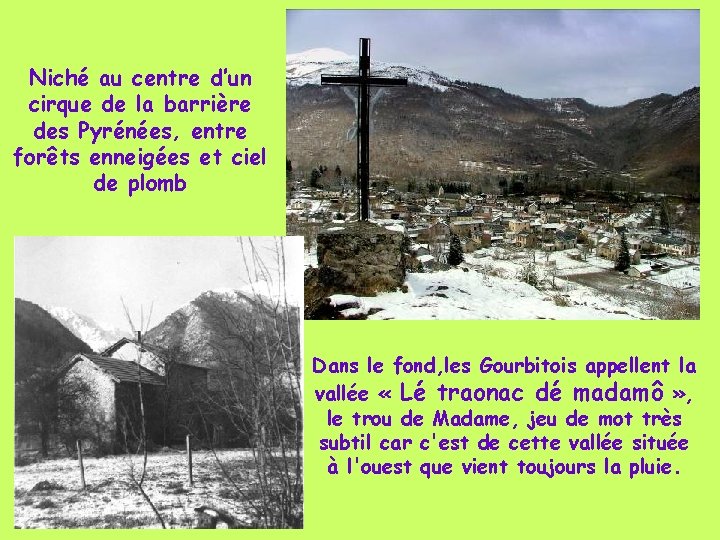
x: 437, y: 232
x: 526, y: 240
x: 608, y: 247
x: 565, y: 239
x: 518, y: 226
x: 549, y: 198
x: 468, y: 228
x: 112, y: 382
x: 672, y: 245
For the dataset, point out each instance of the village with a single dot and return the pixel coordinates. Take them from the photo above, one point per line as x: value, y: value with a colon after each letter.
x: 548, y: 240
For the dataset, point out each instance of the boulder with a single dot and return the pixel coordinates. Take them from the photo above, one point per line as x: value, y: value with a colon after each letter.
x: 361, y: 258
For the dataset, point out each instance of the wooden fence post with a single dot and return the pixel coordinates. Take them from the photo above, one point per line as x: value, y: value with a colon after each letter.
x: 80, y: 462
x: 189, y: 459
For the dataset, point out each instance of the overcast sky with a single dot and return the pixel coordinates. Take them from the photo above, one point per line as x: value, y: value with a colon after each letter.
x: 91, y: 274
x: 608, y: 57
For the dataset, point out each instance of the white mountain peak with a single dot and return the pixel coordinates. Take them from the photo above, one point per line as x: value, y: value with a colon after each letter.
x: 97, y: 336
x: 321, y: 54
x: 307, y: 66
x: 269, y: 291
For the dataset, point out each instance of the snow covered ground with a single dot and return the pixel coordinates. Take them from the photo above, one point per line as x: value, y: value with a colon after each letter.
x: 455, y: 294
x: 683, y: 277
x: 110, y: 501
x: 488, y: 285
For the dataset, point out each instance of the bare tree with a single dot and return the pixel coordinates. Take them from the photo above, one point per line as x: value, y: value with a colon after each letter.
x: 136, y: 480
x: 677, y: 304
x: 257, y: 390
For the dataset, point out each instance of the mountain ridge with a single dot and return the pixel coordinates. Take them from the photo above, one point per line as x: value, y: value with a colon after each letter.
x: 42, y: 343
x: 97, y: 336
x: 472, y: 132
x: 210, y: 326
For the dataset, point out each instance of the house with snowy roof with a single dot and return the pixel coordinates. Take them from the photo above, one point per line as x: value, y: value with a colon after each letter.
x: 640, y: 270
x: 608, y: 246
x: 549, y: 198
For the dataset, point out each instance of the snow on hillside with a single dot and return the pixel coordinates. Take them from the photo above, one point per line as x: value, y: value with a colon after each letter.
x: 271, y: 291
x: 318, y: 55
x: 686, y: 277
x: 306, y: 68
x: 454, y: 294
x: 488, y: 287
x: 85, y: 328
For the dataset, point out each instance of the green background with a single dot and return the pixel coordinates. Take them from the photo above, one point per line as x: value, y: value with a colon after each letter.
x: 249, y: 37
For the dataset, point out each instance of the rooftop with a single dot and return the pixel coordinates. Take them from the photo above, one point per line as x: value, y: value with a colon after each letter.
x: 122, y: 370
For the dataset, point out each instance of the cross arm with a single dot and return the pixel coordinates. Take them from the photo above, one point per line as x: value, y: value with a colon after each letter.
x: 339, y: 79
x: 369, y: 81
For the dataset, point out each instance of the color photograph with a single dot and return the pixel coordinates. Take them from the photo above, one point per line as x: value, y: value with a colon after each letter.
x: 495, y: 164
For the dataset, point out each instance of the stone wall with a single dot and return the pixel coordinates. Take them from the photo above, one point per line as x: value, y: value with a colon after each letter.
x: 98, y: 404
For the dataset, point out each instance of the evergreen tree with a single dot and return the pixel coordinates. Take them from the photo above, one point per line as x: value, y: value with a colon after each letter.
x: 288, y: 169
x: 455, y: 255
x: 664, y: 217
x: 623, y: 260
x: 503, y: 183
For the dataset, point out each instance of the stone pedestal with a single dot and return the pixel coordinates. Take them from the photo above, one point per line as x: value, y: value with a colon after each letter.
x: 360, y: 258
x: 357, y: 258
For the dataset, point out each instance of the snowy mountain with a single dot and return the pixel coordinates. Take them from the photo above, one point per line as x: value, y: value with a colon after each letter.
x: 212, y: 325
x: 41, y: 341
x: 272, y: 293
x: 85, y: 328
x: 466, y: 131
x: 306, y: 68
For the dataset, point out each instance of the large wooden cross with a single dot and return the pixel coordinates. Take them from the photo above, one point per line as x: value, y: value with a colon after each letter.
x: 363, y: 81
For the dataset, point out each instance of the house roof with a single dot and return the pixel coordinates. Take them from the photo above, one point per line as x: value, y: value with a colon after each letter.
x: 566, y: 235
x: 121, y: 370
x: 668, y: 240
x: 468, y: 222
x: 157, y: 351
x: 642, y: 268
x: 115, y: 346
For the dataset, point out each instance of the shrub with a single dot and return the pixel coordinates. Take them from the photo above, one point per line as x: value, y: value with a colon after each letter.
x: 528, y: 274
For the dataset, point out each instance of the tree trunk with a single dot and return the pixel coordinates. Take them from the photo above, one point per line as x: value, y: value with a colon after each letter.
x: 44, y: 439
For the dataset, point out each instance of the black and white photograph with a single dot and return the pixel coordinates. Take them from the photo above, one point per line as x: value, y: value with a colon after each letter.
x: 158, y: 382
x: 495, y: 164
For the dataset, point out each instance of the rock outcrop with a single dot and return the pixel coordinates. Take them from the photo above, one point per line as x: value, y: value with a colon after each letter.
x: 359, y: 258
